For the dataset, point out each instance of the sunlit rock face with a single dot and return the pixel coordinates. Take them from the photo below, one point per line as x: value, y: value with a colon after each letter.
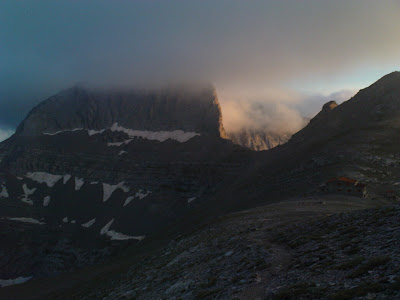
x: 258, y: 140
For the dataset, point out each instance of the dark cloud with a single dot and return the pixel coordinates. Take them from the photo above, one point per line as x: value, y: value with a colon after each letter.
x: 261, y: 50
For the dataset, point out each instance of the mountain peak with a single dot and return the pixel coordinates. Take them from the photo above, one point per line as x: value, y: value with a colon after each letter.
x: 185, y: 108
x: 327, y: 107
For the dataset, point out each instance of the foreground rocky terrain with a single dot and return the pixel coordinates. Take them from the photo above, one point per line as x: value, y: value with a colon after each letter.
x: 278, y: 252
x: 331, y: 247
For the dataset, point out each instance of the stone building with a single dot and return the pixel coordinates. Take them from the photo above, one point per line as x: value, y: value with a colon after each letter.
x: 344, y: 185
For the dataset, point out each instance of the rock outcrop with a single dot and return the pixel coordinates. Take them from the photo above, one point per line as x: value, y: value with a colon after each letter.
x: 190, y: 110
x: 258, y: 140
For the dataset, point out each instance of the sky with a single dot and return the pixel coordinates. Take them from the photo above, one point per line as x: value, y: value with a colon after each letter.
x: 272, y: 62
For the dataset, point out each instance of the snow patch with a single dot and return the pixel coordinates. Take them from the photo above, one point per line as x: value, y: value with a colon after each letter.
x: 128, y: 200
x: 122, y: 152
x: 18, y: 280
x: 115, y: 144
x: 117, y: 235
x: 65, y: 220
x: 161, y: 136
x: 93, y: 132
x: 26, y: 220
x: 106, y: 227
x: 191, y: 199
x: 142, y: 195
x: 108, y: 189
x: 4, y: 193
x: 46, y: 201
x: 61, y: 131
x: 78, y: 183
x: 66, y: 178
x: 43, y: 177
x: 73, y: 221
x: 89, y: 223
x: 27, y: 193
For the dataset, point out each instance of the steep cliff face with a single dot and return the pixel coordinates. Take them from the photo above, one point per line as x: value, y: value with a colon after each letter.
x: 258, y: 140
x: 190, y: 110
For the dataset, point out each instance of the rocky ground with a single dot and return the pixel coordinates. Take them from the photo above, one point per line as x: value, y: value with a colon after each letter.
x: 28, y: 250
x: 325, y: 248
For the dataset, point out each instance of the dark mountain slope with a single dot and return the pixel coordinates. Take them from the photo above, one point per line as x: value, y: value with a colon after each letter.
x: 192, y: 110
x: 73, y: 172
x: 358, y: 139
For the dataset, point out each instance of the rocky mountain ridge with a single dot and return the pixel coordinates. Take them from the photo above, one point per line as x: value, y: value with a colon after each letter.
x: 189, y: 110
x: 258, y: 140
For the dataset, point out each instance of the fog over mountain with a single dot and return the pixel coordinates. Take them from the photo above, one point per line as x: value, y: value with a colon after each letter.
x: 320, y: 48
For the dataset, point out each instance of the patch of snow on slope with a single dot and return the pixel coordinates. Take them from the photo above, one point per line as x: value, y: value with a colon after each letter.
x: 26, y: 220
x: 78, y: 183
x: 43, y: 177
x: 117, y: 235
x: 128, y: 200
x: 46, y: 201
x: 61, y: 131
x: 4, y: 193
x: 108, y: 189
x: 161, y: 136
x: 89, y: 223
x: 106, y: 227
x: 122, y: 152
x: 66, y: 178
x: 19, y: 280
x: 27, y: 193
x: 93, y: 132
x: 141, y: 195
x: 115, y: 144
x: 191, y: 199
x: 65, y: 220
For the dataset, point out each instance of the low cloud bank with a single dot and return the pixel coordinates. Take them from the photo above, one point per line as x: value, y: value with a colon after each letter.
x: 282, y: 115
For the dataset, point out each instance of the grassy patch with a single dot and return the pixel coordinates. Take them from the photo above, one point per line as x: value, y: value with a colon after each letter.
x: 294, y: 291
x: 350, y: 264
x: 353, y: 250
x: 206, y: 293
x: 358, y: 291
x: 261, y: 264
x: 371, y: 264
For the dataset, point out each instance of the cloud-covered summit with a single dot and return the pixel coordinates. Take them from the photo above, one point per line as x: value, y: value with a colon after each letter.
x: 246, y: 50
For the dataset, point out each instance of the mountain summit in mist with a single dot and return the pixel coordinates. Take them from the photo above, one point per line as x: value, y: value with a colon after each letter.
x: 191, y: 110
